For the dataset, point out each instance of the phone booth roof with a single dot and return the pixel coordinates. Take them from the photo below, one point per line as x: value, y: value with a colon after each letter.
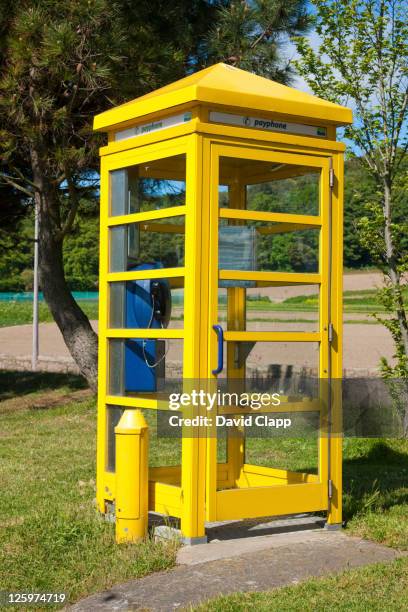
x: 223, y: 86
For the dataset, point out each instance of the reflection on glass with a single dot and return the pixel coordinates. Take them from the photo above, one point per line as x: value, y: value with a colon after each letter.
x: 160, y: 242
x: 143, y: 366
x: 288, y: 366
x: 294, y: 195
x: 113, y: 415
x: 269, y: 186
x: 116, y: 367
x: 267, y: 246
x: 150, y: 186
x: 125, y: 306
x: 223, y: 196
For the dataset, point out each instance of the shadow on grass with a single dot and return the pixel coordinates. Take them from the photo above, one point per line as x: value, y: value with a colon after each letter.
x: 375, y: 475
x: 13, y: 383
x: 376, y: 480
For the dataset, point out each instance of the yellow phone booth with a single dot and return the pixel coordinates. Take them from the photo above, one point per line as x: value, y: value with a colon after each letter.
x: 221, y: 209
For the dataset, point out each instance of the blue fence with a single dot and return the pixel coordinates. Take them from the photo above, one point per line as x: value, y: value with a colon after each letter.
x: 27, y: 296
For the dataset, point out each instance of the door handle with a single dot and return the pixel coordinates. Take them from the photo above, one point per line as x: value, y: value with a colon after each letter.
x: 220, y: 337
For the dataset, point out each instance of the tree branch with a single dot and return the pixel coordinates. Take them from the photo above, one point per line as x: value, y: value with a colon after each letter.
x: 12, y: 182
x: 73, y: 196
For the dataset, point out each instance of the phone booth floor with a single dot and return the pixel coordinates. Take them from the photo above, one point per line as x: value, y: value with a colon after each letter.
x: 221, y: 196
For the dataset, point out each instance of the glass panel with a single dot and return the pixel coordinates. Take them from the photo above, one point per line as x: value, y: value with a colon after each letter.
x: 297, y: 454
x: 272, y: 187
x: 267, y: 247
x: 116, y: 367
x: 118, y: 252
x: 113, y: 415
x: 144, y: 367
x: 296, y: 195
x: 117, y: 305
x: 149, y: 186
x: 257, y: 370
x: 147, y: 303
x: 291, y: 367
x: 222, y: 451
x: 159, y: 243
x: 237, y: 248
x: 223, y: 195
x: 266, y: 308
x: 162, y: 451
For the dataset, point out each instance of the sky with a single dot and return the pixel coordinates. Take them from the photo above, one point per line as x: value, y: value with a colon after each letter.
x: 299, y: 82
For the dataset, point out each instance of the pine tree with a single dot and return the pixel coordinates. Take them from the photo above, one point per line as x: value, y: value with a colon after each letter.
x: 63, y: 62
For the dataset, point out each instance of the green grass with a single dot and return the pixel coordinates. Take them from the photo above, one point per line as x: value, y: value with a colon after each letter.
x: 375, y: 588
x: 296, y: 454
x: 52, y: 537
x: 375, y: 507
x: 376, y: 490
x: 375, y: 481
x: 363, y: 301
x: 21, y: 313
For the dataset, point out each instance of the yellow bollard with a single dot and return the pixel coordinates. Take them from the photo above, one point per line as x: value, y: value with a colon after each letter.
x: 132, y: 479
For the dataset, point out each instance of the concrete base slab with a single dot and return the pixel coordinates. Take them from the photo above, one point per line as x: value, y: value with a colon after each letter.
x: 195, y: 541
x: 228, y: 530
x: 233, y: 538
x: 165, y: 532
x: 333, y: 526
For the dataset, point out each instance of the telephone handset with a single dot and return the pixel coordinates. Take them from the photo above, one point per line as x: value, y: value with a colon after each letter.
x: 161, y: 301
x: 148, y: 306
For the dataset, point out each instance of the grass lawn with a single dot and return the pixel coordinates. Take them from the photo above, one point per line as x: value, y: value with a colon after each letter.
x: 376, y: 508
x: 53, y: 539
x: 375, y: 588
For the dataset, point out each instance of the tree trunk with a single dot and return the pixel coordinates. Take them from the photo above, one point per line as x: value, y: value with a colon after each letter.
x: 79, y: 337
x: 394, y: 274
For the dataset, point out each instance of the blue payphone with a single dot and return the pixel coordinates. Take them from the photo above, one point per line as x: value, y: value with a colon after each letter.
x: 148, y: 306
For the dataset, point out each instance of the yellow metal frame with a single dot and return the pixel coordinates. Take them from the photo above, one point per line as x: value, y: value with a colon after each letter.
x: 201, y: 490
x: 228, y: 89
x: 223, y: 503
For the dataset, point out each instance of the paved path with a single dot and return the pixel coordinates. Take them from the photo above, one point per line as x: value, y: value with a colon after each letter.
x: 363, y: 345
x: 251, y: 564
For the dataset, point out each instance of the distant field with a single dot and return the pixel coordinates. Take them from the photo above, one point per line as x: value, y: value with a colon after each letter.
x: 364, y: 301
x: 21, y: 313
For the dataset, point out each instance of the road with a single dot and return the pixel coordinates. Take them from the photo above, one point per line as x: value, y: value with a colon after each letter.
x: 363, y: 344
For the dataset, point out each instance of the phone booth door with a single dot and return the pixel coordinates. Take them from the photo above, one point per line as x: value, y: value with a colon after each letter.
x: 269, y: 246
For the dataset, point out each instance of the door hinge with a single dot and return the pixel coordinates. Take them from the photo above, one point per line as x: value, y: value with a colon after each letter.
x: 331, y: 177
x: 331, y: 332
x: 330, y: 488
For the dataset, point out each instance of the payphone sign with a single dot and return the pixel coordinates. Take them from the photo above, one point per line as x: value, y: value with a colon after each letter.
x: 269, y: 124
